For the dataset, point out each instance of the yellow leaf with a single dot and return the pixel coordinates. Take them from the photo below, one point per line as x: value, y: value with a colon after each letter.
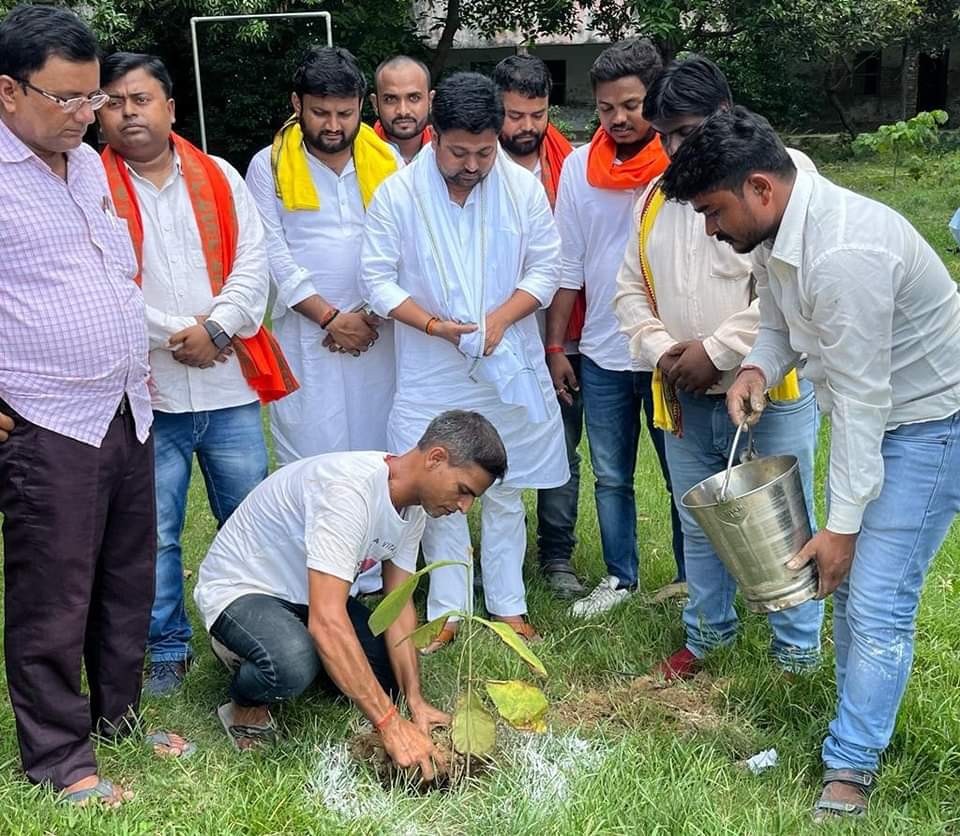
x: 522, y: 705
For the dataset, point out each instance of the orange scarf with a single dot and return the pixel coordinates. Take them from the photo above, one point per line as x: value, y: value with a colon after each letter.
x: 261, y: 360
x: 553, y: 151
x: 425, y: 137
x: 603, y: 172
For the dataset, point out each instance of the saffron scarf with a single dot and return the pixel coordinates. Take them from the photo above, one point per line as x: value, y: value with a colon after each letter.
x: 666, y: 406
x: 372, y: 157
x: 603, y: 171
x: 425, y: 137
x: 262, y: 362
x: 553, y: 151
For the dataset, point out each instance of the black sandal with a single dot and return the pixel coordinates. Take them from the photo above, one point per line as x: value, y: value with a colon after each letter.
x: 860, y: 779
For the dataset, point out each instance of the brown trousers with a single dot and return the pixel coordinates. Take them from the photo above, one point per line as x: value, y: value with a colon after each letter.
x: 79, y: 547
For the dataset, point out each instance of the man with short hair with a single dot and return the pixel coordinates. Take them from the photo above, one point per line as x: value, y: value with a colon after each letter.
x: 695, y: 331
x: 460, y: 249
x: 312, y: 187
x: 280, y: 627
x: 205, y: 280
x: 76, y: 458
x: 853, y: 291
x: 533, y: 142
x: 600, y: 183
x: 401, y: 99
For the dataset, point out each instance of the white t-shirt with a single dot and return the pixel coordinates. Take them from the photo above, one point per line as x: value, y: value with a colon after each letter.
x: 331, y: 513
x: 595, y: 225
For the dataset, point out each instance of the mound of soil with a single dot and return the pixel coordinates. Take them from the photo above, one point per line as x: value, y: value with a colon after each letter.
x: 367, y: 749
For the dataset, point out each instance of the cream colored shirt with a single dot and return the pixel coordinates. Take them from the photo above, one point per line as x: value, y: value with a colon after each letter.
x: 704, y: 289
x: 853, y: 286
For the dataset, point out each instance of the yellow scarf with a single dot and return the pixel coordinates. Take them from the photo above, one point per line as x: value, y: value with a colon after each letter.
x: 666, y: 407
x: 372, y: 158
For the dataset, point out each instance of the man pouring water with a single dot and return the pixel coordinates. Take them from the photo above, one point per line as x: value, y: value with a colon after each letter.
x: 849, y: 285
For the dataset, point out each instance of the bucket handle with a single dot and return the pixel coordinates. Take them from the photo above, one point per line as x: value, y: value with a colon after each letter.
x: 748, y: 455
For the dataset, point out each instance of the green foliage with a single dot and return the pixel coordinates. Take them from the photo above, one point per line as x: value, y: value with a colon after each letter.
x: 389, y: 609
x: 904, y: 137
x: 426, y: 633
x: 560, y: 123
x: 246, y: 67
x: 473, y: 731
x: 510, y: 638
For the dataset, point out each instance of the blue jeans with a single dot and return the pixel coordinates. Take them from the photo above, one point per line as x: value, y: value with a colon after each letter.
x: 233, y: 459
x: 612, y: 404
x: 557, y: 507
x: 280, y: 659
x: 875, y: 608
x: 702, y: 451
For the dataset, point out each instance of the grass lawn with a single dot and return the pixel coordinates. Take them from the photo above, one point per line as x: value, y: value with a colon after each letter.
x: 618, y: 758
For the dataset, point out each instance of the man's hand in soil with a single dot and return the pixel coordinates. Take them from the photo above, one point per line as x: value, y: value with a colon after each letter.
x: 693, y: 370
x: 6, y: 426
x: 426, y: 717
x: 408, y: 746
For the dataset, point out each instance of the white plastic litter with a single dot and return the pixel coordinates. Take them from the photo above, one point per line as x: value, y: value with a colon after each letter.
x: 766, y: 759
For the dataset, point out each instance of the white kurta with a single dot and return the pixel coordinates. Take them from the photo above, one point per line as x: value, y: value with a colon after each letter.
x: 518, y: 248
x: 343, y: 401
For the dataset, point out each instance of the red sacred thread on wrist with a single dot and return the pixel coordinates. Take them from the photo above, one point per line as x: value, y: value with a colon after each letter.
x: 430, y: 323
x: 554, y: 349
x: 330, y: 317
x: 384, y: 721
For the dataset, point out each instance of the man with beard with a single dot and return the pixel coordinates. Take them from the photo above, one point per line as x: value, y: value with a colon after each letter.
x: 598, y: 188
x: 531, y: 141
x: 401, y: 100
x: 460, y: 248
x: 854, y: 291
x: 274, y: 588
x: 205, y: 281
x: 312, y: 187
x: 697, y: 350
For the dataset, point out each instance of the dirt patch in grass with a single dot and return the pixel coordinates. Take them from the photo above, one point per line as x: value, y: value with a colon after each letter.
x: 367, y: 749
x: 688, y: 705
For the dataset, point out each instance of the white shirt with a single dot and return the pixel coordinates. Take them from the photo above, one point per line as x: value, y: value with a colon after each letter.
x: 343, y: 401
x: 704, y: 289
x: 851, y: 284
x: 595, y: 225
x: 331, y: 514
x: 176, y: 288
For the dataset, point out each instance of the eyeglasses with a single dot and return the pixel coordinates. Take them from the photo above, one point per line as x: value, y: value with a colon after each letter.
x: 95, y: 100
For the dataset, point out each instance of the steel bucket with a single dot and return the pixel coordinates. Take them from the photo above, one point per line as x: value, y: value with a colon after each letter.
x: 755, y: 516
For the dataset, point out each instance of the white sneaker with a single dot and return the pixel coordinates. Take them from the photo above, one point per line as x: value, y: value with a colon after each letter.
x: 605, y: 596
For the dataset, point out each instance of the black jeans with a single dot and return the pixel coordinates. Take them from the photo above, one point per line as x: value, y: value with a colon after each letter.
x: 557, y: 507
x: 280, y: 659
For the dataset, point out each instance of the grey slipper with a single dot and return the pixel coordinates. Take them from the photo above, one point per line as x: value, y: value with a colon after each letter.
x: 261, y: 734
x: 103, y: 790
x: 162, y: 738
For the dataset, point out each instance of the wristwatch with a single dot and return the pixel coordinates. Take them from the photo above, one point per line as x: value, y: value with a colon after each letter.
x: 219, y: 337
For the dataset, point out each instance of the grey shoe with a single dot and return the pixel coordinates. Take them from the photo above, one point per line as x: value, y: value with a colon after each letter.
x: 564, y: 584
x: 164, y: 678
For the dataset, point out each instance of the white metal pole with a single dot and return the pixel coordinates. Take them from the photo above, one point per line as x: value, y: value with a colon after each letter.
x: 222, y: 19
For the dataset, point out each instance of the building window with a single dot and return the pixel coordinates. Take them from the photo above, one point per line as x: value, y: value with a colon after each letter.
x: 866, y: 73
x: 558, y: 73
